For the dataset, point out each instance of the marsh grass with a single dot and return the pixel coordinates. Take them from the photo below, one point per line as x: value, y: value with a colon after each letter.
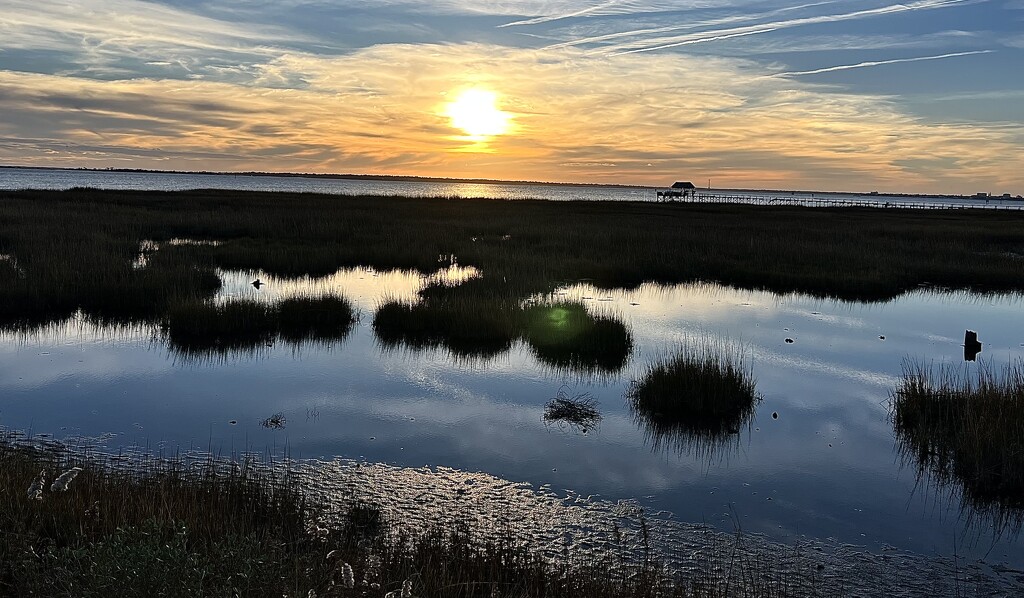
x: 171, y: 527
x: 244, y: 325
x: 567, y: 336
x: 75, y: 249
x: 963, y: 428
x: 576, y: 412
x: 699, y: 397
x: 563, y: 335
x: 465, y: 327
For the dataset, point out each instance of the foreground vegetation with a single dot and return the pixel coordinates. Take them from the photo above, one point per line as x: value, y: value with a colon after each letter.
x: 696, y: 399
x: 169, y: 529
x: 78, y: 250
x: 963, y: 428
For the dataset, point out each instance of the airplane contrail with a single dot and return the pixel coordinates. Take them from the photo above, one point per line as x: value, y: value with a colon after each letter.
x: 707, y: 36
x: 682, y: 27
x: 844, y: 67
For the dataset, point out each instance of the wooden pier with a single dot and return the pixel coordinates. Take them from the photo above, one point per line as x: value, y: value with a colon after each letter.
x: 825, y: 202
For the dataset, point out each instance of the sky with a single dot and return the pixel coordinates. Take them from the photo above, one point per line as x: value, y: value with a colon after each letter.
x: 845, y: 95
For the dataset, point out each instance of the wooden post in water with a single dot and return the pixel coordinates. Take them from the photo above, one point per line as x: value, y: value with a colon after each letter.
x: 971, y: 345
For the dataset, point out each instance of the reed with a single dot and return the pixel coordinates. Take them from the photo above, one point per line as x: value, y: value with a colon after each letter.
x: 963, y: 428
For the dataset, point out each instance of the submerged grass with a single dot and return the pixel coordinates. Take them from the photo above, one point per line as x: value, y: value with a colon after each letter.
x: 577, y: 412
x: 168, y: 528
x: 963, y: 427
x: 700, y: 396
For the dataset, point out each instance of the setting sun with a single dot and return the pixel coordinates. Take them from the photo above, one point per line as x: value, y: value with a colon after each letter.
x: 476, y: 112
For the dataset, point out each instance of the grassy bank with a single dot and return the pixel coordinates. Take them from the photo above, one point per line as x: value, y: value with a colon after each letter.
x: 75, y: 249
x: 170, y: 529
x: 964, y: 429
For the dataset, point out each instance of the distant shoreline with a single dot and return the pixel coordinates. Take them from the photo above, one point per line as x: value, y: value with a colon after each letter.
x: 483, y: 181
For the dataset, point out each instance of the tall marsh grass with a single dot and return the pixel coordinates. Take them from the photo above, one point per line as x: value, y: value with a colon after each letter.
x: 700, y: 396
x: 962, y: 426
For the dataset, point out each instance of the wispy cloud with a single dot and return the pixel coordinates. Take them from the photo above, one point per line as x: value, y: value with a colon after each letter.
x: 868, y: 63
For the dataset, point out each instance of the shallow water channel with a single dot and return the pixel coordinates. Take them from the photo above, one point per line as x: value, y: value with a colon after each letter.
x: 818, y: 460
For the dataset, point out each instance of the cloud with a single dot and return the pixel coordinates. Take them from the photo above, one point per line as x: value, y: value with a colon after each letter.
x: 381, y: 109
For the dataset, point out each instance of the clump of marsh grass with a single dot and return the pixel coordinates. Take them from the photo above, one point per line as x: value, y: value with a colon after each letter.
x: 701, y: 395
x: 200, y: 328
x: 577, y: 412
x: 567, y: 336
x: 963, y: 427
x: 466, y: 327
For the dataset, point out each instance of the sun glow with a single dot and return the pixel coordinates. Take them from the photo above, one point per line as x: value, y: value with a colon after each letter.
x: 476, y: 112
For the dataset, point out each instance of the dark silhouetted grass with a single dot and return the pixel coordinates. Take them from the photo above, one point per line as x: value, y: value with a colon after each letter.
x: 244, y: 325
x: 567, y: 336
x: 465, y: 327
x: 964, y: 428
x: 75, y: 249
x: 563, y: 335
x: 702, y: 395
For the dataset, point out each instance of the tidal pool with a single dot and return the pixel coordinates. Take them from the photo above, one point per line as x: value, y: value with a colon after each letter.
x: 818, y: 459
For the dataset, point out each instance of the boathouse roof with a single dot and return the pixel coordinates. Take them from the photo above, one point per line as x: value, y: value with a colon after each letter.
x: 683, y: 185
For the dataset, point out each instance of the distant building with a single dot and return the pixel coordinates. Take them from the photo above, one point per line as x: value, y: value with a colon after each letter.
x: 1007, y: 196
x: 981, y: 194
x: 679, y: 189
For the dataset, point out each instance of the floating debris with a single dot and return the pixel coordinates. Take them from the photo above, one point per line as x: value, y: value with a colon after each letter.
x: 35, y: 490
x: 775, y: 415
x: 274, y: 422
x: 790, y: 341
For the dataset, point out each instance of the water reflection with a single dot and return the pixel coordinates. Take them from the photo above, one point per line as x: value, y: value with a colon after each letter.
x: 827, y: 462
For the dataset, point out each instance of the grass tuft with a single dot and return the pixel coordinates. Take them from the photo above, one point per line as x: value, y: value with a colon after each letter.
x: 702, y: 395
x: 203, y: 328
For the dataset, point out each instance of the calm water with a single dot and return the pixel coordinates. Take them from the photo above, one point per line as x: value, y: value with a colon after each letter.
x: 25, y: 178
x: 825, y: 468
